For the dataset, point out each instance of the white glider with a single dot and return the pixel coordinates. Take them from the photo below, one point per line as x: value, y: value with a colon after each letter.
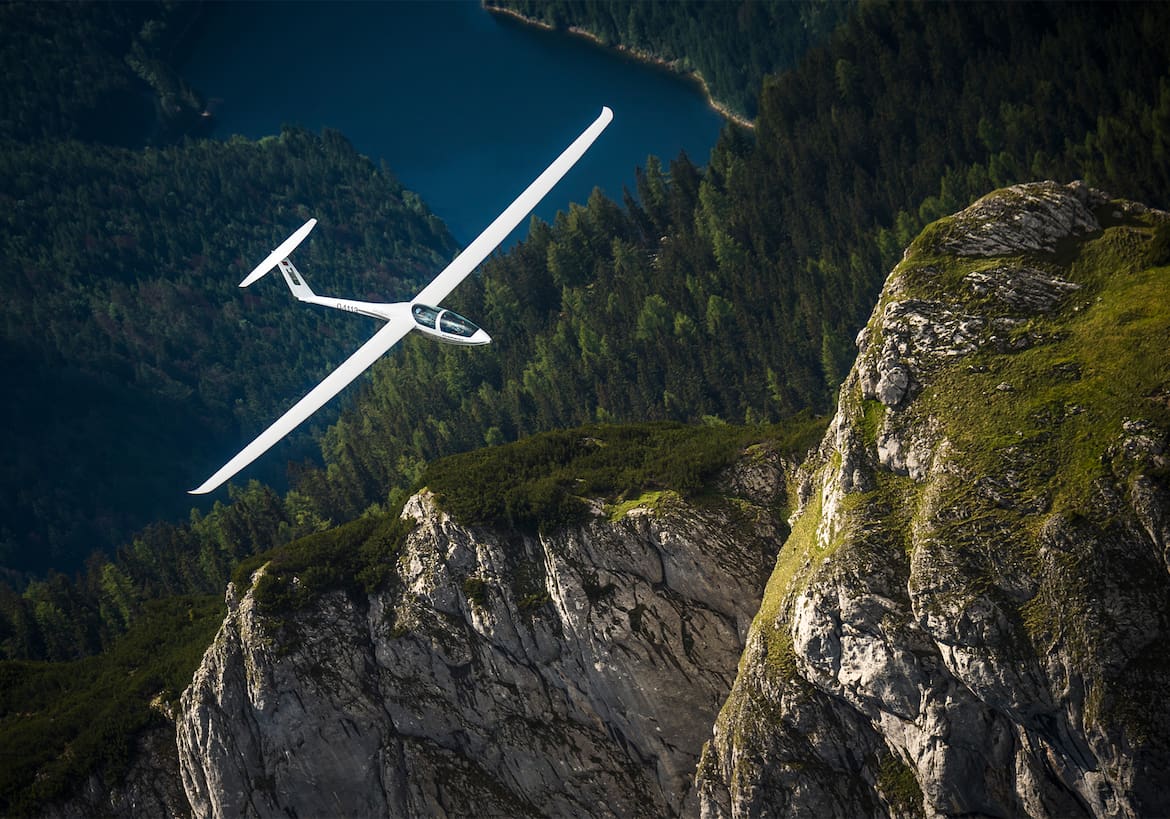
x: 420, y: 313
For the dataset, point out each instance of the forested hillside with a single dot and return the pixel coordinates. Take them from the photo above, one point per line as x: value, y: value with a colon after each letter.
x: 97, y: 72
x: 729, y: 292
x: 131, y: 358
x: 731, y: 46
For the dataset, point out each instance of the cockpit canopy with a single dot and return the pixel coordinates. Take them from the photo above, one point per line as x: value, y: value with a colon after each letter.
x: 447, y: 325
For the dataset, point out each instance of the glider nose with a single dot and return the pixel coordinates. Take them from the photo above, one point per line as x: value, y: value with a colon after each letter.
x: 481, y: 337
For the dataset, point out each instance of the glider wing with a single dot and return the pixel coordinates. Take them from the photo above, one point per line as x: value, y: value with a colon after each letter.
x: 507, y: 221
x: 334, y: 383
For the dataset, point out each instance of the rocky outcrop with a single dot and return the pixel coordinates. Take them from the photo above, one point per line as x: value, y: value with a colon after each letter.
x: 498, y: 674
x: 972, y: 613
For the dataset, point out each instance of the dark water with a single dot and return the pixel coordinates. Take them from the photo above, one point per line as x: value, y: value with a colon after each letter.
x: 464, y: 106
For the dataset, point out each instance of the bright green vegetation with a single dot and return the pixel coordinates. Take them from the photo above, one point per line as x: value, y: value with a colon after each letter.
x: 60, y: 722
x: 540, y: 483
x: 899, y: 785
x: 1056, y: 439
x: 653, y: 500
x: 732, y: 46
x: 1100, y: 361
x: 873, y: 412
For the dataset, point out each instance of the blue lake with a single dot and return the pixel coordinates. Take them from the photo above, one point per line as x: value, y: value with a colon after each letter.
x: 466, y: 107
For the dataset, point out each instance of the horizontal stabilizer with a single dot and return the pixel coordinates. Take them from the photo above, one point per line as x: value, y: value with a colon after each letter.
x: 280, y: 254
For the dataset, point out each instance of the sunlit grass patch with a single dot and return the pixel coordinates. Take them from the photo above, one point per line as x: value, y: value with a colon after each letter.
x: 647, y: 500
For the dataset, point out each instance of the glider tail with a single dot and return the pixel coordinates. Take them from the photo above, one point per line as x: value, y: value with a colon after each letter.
x: 300, y: 288
x: 280, y: 254
x: 296, y: 282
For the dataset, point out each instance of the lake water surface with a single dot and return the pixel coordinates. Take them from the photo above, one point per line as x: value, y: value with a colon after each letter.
x: 466, y: 107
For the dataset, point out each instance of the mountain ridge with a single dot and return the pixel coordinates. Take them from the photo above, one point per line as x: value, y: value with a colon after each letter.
x: 951, y: 625
x: 956, y: 625
x: 487, y: 677
x: 166, y: 558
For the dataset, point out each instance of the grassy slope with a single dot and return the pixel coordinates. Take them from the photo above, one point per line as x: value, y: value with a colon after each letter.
x: 1102, y: 359
x: 552, y: 472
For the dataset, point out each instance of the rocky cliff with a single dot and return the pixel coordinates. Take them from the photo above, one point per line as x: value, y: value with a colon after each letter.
x: 966, y: 615
x: 971, y: 615
x: 497, y: 674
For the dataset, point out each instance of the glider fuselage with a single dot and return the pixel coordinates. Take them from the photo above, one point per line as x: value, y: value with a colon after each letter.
x: 438, y: 323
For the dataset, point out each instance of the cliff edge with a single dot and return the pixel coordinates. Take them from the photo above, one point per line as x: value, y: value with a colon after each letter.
x: 496, y: 674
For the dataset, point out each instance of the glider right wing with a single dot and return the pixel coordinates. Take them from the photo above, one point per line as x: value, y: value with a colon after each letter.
x: 334, y: 383
x: 507, y: 221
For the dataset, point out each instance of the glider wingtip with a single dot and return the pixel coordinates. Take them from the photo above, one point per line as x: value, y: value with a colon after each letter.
x: 205, y: 488
x: 259, y: 273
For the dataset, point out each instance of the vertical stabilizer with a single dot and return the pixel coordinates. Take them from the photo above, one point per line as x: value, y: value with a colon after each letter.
x: 296, y: 282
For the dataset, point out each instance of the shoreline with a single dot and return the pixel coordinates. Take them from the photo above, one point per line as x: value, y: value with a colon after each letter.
x: 636, y: 54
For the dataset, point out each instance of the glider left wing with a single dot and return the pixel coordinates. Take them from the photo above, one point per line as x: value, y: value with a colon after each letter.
x: 334, y: 383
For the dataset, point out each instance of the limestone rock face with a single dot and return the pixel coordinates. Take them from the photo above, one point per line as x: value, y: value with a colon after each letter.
x: 972, y: 614
x: 498, y: 675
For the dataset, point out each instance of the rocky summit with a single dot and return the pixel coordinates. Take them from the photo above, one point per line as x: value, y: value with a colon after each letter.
x: 957, y: 605
x: 971, y: 615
